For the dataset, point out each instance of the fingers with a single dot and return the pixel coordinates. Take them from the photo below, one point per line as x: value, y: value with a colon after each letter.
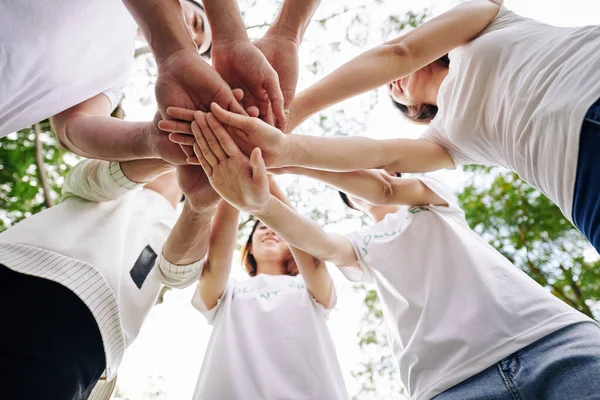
x: 208, y: 170
x: 225, y: 141
x: 175, y: 126
x: 201, y: 148
x: 232, y: 119
x: 237, y: 93
x: 183, y: 114
x: 208, y: 126
x: 186, y: 140
x: 276, y: 97
x: 259, y: 170
x: 253, y: 111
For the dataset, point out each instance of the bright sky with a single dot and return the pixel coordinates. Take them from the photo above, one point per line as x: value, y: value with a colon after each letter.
x: 170, y: 348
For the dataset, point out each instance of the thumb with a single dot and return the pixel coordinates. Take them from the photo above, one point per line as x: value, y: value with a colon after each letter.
x: 259, y: 170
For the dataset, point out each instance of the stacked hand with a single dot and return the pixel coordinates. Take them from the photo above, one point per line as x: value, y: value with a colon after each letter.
x: 240, y: 180
x: 248, y: 133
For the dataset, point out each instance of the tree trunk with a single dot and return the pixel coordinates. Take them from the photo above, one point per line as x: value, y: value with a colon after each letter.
x: 41, y: 169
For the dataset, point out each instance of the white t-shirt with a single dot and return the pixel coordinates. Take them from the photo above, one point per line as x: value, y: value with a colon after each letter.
x: 453, y: 304
x: 516, y: 97
x: 102, y: 242
x: 270, y: 341
x: 56, y: 54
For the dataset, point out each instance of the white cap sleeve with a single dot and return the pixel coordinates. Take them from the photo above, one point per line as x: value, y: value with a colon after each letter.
x: 442, y: 190
x: 211, y: 314
x: 360, y: 272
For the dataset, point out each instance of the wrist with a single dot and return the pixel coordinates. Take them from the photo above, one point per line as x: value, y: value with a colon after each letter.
x: 263, y: 211
x: 295, y: 150
x: 279, y: 30
x: 199, y: 212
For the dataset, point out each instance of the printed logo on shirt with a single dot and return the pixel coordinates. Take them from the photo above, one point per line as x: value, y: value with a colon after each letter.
x: 418, y: 209
x: 369, y: 238
x: 264, y: 295
x: 143, y: 266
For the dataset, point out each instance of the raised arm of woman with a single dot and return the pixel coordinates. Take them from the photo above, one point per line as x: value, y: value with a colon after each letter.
x: 396, y: 59
x: 314, y: 271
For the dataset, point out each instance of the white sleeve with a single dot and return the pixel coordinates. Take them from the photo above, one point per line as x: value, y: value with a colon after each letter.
x: 332, y: 302
x: 211, y: 314
x: 362, y: 272
x: 114, y: 96
x: 442, y: 190
x: 97, y: 180
x: 178, y: 276
x: 434, y: 133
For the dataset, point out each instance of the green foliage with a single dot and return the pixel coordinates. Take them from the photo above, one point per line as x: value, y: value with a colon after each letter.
x: 528, y: 229
x: 21, y: 192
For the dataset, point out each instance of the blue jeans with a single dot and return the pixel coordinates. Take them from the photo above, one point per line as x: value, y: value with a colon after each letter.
x: 564, y: 365
x: 586, y: 196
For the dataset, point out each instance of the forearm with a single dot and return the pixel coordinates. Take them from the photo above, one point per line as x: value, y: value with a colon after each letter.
x: 188, y: 240
x: 368, y: 185
x: 368, y: 71
x: 304, y: 234
x: 357, y: 153
x: 225, y: 20
x: 163, y: 26
x: 106, y: 138
x: 293, y: 18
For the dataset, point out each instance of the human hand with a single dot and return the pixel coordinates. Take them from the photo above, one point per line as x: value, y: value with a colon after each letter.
x: 180, y: 125
x: 242, y: 65
x: 240, y: 180
x: 198, y: 192
x: 252, y: 132
x: 282, y: 53
x: 186, y: 80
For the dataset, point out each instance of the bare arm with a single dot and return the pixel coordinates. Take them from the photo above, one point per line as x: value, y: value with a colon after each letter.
x: 225, y: 20
x: 314, y: 271
x: 397, y: 58
x: 374, y: 186
x: 306, y: 234
x: 221, y: 246
x: 293, y: 18
x: 88, y: 130
x: 333, y: 153
x: 163, y: 26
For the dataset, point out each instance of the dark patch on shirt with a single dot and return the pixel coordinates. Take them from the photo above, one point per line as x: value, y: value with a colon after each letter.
x: 143, y: 266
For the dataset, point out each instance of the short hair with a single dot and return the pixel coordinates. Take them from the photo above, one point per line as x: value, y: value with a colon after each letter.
x: 347, y: 201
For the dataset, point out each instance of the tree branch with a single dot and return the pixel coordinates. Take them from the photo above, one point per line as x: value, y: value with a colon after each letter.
x: 577, y: 292
x: 41, y: 170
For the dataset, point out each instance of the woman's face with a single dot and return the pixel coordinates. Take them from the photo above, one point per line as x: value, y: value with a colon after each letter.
x: 266, y: 245
x: 410, y: 90
x: 195, y: 19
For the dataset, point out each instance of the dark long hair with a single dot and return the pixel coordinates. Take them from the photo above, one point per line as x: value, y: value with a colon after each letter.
x: 423, y: 113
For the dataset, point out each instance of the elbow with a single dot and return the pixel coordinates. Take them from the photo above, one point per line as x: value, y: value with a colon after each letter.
x: 384, y: 194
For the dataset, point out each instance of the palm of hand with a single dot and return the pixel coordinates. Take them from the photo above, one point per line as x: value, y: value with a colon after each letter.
x: 186, y: 80
x: 282, y: 54
x: 243, y: 66
x: 233, y: 179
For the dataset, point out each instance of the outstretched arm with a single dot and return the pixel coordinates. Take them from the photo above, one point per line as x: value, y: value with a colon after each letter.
x: 87, y: 129
x: 374, y: 186
x: 243, y: 182
x: 331, y: 153
x: 314, y: 271
x: 397, y: 58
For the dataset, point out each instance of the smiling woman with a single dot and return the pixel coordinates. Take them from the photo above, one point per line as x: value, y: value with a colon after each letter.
x: 270, y: 337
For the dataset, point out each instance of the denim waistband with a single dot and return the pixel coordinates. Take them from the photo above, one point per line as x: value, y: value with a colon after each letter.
x: 593, y: 113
